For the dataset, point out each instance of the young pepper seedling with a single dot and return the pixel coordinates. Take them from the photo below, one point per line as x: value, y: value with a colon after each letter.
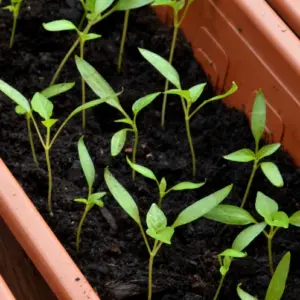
x: 258, y: 123
x: 277, y: 284
x: 177, y: 7
x: 188, y: 97
x: 92, y: 198
x: 162, y: 185
x: 156, y: 220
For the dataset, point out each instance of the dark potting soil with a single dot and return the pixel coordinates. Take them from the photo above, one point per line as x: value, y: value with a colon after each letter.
x: 112, y: 255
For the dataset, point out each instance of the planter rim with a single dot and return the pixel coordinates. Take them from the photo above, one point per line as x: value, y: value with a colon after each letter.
x: 39, y: 242
x: 5, y: 293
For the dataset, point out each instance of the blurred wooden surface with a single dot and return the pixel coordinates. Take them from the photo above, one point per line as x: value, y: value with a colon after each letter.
x: 20, y: 274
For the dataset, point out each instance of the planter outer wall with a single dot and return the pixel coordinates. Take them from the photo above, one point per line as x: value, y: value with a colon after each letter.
x: 247, y: 42
x: 39, y: 242
x: 5, y: 293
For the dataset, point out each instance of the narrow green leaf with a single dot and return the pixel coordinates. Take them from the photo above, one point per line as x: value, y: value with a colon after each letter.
x: 272, y: 172
x: 131, y: 4
x: 118, y: 141
x: 186, y: 185
x: 143, y: 102
x: 80, y: 200
x: 49, y: 122
x: 164, y: 236
x: 196, y: 91
x: 202, y: 207
x: 99, y: 203
x: 244, y: 295
x: 96, y: 82
x: 229, y: 214
x: 246, y: 236
x: 162, y: 65
x: 280, y: 219
x: 156, y: 219
x: 142, y: 170
x: 163, y: 185
x: 92, y: 36
x: 268, y: 150
x: 232, y: 90
x: 15, y: 96
x: 182, y: 93
x: 243, y: 155
x: 295, y: 219
x: 126, y: 121
x: 59, y: 25
x: 42, y: 106
x: 163, y: 2
x: 233, y: 253
x: 96, y: 196
x: 102, y: 5
x: 258, y: 118
x: 277, y: 284
x: 265, y: 206
x: 20, y: 110
x: 57, y: 89
x: 86, y: 162
x: 122, y: 196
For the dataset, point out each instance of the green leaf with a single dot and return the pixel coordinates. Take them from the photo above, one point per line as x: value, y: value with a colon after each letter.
x: 80, y: 200
x: 277, y: 284
x: 232, y: 90
x: 99, y: 203
x: 182, y: 93
x: 295, y: 219
x: 49, y: 122
x: 131, y: 4
x: 59, y: 25
x: 244, y: 295
x: 20, y: 110
x: 268, y: 150
x: 42, y: 106
x: 196, y: 91
x: 143, y: 102
x: 126, y: 121
x: 162, y: 65
x: 97, y: 83
x: 102, y: 5
x: 164, y: 236
x: 15, y: 96
x: 96, y: 196
x: 280, y: 219
x: 122, y: 196
x: 229, y: 214
x: 57, y: 89
x: 141, y: 169
x: 243, y: 155
x: 163, y: 2
x: 202, y: 207
x: 233, y: 253
x: 223, y: 270
x: 92, y: 36
x: 265, y: 206
x: 163, y: 185
x: 246, y: 236
x: 258, y: 118
x: 272, y: 172
x: 186, y: 185
x: 118, y: 141
x: 156, y: 219
x: 86, y: 162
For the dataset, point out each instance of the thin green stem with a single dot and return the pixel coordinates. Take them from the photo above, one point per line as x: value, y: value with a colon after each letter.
x: 49, y: 169
x: 82, y: 20
x: 31, y: 139
x: 135, y: 145
x: 37, y: 130
x: 189, y: 136
x: 219, y: 287
x: 123, y: 40
x: 255, y: 165
x: 82, y: 86
x: 160, y: 200
x: 171, y: 56
x: 145, y: 237
x: 150, y: 272
x: 80, y: 227
x: 185, y: 12
x: 270, y: 255
x: 13, y: 31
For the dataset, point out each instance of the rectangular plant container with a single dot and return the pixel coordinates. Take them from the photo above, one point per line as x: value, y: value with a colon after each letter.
x: 236, y: 40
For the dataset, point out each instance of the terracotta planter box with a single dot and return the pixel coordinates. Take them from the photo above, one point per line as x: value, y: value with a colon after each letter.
x: 245, y: 42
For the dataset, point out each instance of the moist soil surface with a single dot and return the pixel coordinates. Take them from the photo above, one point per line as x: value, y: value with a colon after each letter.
x: 112, y: 254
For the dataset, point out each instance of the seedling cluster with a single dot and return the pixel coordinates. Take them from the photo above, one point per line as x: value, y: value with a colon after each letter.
x: 158, y: 230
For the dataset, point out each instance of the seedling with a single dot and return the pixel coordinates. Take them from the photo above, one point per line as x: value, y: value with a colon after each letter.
x: 188, y: 97
x: 96, y: 11
x: 92, y: 198
x: 156, y: 220
x: 177, y: 6
x: 258, y: 123
x: 243, y: 239
x: 65, y: 25
x: 14, y: 8
x: 265, y: 207
x: 277, y: 284
x: 44, y: 107
x: 100, y: 87
x: 162, y: 185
